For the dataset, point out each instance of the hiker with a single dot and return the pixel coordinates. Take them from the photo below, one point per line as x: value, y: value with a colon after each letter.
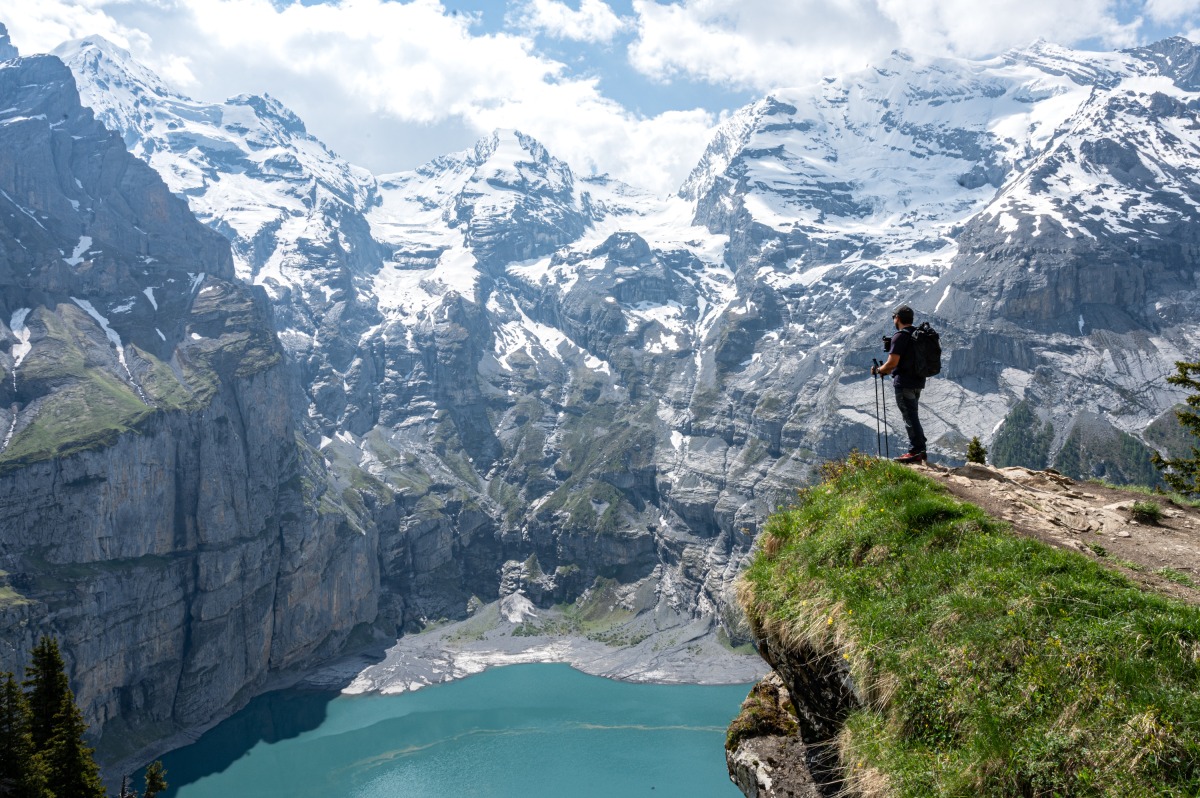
x: 901, y: 364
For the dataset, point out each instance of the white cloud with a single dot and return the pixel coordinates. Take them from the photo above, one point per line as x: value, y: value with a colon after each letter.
x: 763, y: 44
x: 42, y: 26
x: 391, y: 83
x: 594, y: 21
x: 386, y: 84
x: 1168, y: 11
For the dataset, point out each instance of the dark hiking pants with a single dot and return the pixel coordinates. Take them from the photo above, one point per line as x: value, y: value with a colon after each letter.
x: 907, y: 399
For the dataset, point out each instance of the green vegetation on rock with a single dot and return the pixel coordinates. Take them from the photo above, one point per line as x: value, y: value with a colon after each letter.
x: 1182, y: 470
x: 1022, y: 439
x: 762, y: 715
x: 988, y: 664
x: 1107, y: 452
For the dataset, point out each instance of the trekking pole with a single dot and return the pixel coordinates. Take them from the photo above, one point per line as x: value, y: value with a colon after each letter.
x: 875, y: 379
x: 886, y: 449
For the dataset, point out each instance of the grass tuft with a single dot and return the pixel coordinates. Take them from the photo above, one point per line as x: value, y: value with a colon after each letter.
x: 989, y: 664
x: 1146, y: 512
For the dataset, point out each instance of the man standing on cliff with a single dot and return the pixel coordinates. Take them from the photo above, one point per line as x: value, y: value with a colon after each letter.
x: 901, y: 364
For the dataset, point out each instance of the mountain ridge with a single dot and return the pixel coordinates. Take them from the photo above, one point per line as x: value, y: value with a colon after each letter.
x: 514, y: 382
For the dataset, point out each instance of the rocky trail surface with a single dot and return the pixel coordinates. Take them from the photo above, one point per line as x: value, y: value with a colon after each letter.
x: 1096, y: 519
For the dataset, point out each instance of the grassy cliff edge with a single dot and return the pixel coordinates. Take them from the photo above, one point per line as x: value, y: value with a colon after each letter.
x: 977, y: 662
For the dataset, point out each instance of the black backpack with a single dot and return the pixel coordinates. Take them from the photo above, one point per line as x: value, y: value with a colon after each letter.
x: 927, y: 351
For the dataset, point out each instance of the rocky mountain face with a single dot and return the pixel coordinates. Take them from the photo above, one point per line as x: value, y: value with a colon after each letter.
x: 511, y: 379
x: 158, y: 511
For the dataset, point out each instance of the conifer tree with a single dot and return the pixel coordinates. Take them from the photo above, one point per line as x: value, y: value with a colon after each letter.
x: 156, y: 779
x: 22, y: 772
x: 57, y: 727
x: 46, y: 679
x: 975, y: 451
x: 1183, y: 473
x: 70, y: 765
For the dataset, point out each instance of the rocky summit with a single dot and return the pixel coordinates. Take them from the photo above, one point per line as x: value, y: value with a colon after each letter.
x: 281, y: 397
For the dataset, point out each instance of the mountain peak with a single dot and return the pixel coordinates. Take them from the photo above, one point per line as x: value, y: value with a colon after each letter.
x: 268, y: 107
x: 95, y: 58
x: 513, y: 145
x: 1177, y: 58
x: 7, y: 50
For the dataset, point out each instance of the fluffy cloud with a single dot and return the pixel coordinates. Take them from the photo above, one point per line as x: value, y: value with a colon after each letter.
x: 388, y: 84
x: 1173, y: 11
x: 595, y: 21
x: 763, y: 44
x: 40, y: 27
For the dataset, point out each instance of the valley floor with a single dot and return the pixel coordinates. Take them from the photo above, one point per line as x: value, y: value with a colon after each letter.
x: 503, y: 633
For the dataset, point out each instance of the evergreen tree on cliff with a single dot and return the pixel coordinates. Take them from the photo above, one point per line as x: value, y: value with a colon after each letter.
x: 1183, y: 474
x: 46, y: 680
x: 57, y: 727
x: 22, y: 771
x: 156, y: 779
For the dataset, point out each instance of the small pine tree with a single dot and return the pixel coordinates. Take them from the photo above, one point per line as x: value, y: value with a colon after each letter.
x: 46, y: 680
x: 1183, y: 473
x: 125, y: 791
x: 70, y: 764
x: 57, y: 727
x: 156, y: 779
x: 975, y: 451
x: 22, y: 771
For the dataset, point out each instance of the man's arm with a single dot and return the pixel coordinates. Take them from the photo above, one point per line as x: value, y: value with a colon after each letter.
x: 889, y: 366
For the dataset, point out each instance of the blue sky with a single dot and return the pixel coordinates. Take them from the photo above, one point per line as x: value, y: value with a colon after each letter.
x: 631, y: 87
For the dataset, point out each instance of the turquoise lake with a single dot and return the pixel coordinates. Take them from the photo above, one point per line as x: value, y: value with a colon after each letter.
x: 522, y: 730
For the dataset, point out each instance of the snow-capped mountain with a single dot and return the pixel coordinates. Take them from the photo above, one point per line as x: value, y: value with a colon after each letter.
x: 465, y: 331
x: 510, y: 378
x: 538, y: 380
x: 429, y: 305
x: 157, y: 514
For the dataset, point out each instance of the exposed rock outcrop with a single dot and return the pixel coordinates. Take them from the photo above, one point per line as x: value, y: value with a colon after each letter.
x: 159, y: 512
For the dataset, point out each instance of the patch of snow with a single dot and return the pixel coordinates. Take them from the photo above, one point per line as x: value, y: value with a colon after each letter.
x: 22, y: 347
x: 85, y: 243
x: 149, y: 292
x: 114, y: 339
x: 945, y: 294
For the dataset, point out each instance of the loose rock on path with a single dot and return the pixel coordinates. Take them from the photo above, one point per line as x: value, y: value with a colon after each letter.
x: 1091, y: 518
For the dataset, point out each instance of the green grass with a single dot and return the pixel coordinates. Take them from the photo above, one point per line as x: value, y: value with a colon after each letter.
x: 82, y: 405
x: 81, y: 416
x: 990, y: 664
x: 1178, y: 577
x: 1172, y: 496
x: 1146, y: 512
x: 9, y: 597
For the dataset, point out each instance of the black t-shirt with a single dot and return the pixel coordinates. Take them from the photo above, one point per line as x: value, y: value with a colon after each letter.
x: 904, y: 376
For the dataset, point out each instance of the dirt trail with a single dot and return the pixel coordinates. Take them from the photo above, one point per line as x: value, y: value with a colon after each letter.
x: 1090, y: 518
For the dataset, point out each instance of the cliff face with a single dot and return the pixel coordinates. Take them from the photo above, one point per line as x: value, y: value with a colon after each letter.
x: 159, y: 513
